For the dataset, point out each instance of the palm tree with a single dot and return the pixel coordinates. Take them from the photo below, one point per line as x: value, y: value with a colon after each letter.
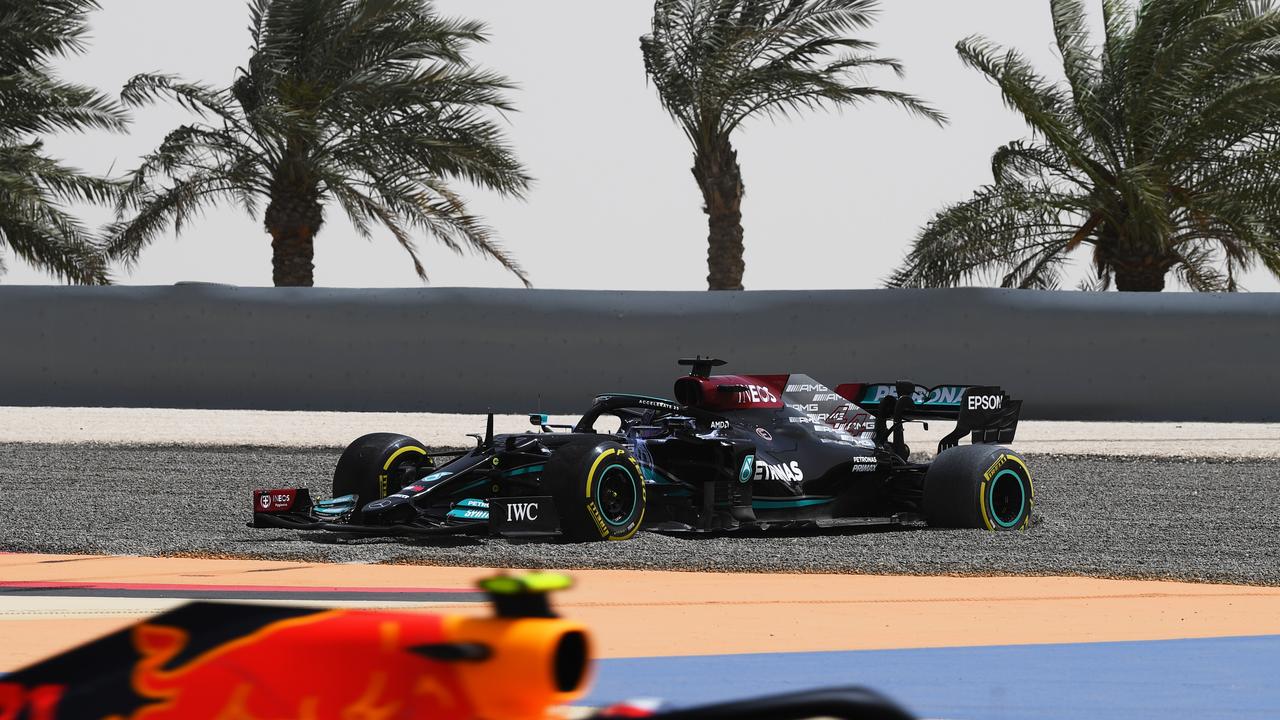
x: 371, y: 104
x: 33, y: 186
x: 717, y: 63
x: 1161, y: 152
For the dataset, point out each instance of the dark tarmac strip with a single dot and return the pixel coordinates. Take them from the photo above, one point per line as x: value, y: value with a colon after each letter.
x: 1183, y: 519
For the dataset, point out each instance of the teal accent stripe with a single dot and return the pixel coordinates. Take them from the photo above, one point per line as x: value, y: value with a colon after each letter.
x: 786, y: 504
x: 991, y: 500
x: 654, y: 475
x: 471, y: 485
x: 872, y: 389
x: 524, y: 470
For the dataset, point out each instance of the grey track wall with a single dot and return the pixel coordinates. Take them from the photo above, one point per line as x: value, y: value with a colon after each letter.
x: 1070, y: 356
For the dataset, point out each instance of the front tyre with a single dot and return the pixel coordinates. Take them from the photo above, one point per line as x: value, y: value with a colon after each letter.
x: 373, y: 466
x: 979, y: 486
x: 598, y: 489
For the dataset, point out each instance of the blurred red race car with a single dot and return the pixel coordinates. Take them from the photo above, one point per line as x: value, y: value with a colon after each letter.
x: 212, y: 661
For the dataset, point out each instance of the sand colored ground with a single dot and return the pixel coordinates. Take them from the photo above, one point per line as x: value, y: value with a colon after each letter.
x: 332, y: 429
x: 645, y: 614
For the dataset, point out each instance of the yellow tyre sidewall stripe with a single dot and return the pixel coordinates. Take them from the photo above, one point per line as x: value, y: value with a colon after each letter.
x: 591, y: 476
x: 382, y: 477
x: 401, y: 451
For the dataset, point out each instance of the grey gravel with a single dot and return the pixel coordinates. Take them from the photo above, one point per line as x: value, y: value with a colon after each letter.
x: 1186, y: 519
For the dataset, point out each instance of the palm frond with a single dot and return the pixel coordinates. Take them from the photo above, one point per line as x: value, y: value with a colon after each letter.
x: 34, y: 187
x: 337, y: 97
x: 1006, y: 232
x: 1083, y: 69
x: 719, y: 63
x: 1166, y: 137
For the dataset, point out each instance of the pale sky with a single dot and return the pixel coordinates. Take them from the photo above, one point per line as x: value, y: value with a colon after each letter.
x: 833, y: 199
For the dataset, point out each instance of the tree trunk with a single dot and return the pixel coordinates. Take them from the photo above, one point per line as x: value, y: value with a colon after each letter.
x: 720, y: 179
x: 1139, y: 280
x: 1136, y: 267
x: 293, y: 218
x: 1141, y: 274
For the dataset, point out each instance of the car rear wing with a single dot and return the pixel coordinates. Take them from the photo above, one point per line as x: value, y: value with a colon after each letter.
x: 984, y: 412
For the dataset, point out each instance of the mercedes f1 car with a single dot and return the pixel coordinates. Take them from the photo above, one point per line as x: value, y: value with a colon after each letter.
x: 730, y: 452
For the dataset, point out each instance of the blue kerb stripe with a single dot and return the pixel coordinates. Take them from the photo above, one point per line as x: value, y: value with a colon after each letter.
x: 1212, y: 677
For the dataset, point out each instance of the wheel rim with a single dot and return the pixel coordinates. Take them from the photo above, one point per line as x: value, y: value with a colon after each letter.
x: 1006, y: 499
x: 394, y: 468
x: 616, y: 495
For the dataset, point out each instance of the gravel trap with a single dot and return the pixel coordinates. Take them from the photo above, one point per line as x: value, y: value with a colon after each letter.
x: 1184, y: 519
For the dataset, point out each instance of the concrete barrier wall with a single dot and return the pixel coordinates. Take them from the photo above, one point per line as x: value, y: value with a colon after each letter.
x: 1070, y: 356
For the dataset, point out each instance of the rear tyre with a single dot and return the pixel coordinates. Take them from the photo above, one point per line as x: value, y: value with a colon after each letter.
x: 979, y: 486
x: 598, y: 489
x: 374, y: 466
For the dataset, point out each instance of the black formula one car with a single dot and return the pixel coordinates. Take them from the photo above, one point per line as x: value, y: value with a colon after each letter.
x: 729, y: 452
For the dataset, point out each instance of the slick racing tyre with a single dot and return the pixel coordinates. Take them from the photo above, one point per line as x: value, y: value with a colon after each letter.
x: 599, y: 490
x: 979, y: 486
x: 378, y: 464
